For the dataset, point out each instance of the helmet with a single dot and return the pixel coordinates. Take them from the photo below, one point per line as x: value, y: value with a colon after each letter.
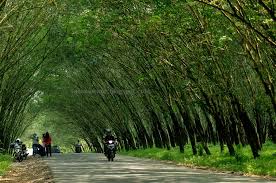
x: 17, y: 140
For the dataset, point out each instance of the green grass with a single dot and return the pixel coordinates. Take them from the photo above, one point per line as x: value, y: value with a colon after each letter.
x: 242, y: 162
x: 5, y: 162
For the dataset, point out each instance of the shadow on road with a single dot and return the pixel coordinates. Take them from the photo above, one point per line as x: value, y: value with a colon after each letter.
x: 95, y: 168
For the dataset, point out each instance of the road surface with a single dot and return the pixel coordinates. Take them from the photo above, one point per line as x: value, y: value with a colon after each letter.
x: 94, y: 168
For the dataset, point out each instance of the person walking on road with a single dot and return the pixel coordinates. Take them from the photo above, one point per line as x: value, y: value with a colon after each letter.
x: 48, y: 144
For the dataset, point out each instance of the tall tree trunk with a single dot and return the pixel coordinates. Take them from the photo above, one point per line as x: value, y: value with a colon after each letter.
x: 171, y: 136
x: 179, y: 131
x: 233, y: 130
x: 272, y: 130
x: 249, y: 128
x: 190, y: 130
x: 224, y: 134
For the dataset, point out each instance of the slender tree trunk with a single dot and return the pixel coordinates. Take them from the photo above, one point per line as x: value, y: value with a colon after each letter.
x: 224, y: 134
x: 190, y: 129
x: 249, y: 128
x: 272, y: 130
x: 171, y: 136
x: 179, y: 131
x: 157, y: 130
x: 88, y: 143
x: 234, y: 133
x: 98, y: 146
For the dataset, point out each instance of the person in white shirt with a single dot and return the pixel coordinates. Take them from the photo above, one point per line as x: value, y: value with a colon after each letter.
x: 35, y: 144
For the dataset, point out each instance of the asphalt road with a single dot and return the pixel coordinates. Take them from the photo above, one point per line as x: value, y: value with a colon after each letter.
x: 94, y: 168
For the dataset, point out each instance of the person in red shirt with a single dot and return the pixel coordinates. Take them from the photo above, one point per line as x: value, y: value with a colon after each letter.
x: 48, y: 144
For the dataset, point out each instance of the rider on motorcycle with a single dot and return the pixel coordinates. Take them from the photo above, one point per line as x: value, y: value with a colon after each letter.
x: 108, y: 137
x: 19, y: 150
x: 78, y: 147
x: 17, y: 144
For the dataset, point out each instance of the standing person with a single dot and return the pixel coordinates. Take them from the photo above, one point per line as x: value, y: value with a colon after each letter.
x: 48, y: 144
x: 35, y: 144
x: 78, y: 147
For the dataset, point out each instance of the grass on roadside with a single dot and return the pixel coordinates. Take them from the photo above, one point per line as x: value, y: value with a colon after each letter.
x: 5, y: 162
x: 242, y: 162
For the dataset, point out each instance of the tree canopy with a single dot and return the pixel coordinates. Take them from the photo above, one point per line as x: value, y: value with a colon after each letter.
x: 159, y: 73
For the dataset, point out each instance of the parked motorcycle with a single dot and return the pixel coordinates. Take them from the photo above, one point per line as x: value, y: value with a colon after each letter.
x: 19, y: 150
x: 38, y: 149
x: 111, y: 145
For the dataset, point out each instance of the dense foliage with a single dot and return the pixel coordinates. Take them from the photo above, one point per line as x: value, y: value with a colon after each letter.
x: 159, y: 73
x: 24, y: 28
x: 5, y: 162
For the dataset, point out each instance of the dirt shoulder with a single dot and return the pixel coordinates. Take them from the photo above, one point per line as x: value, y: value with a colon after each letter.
x: 32, y: 170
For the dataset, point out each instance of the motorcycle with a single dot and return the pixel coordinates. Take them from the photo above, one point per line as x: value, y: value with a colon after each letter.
x: 78, y: 149
x: 38, y: 149
x: 111, y: 145
x: 24, y: 151
x: 18, y: 154
x: 35, y: 150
